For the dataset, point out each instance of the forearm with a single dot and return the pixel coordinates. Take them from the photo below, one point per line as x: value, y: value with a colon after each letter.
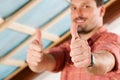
x: 104, y: 62
x: 47, y: 64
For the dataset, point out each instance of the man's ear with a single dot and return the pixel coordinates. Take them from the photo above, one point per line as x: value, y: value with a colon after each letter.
x: 102, y: 10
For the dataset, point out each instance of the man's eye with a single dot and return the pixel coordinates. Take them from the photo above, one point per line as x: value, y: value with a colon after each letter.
x: 73, y: 8
x: 85, y: 6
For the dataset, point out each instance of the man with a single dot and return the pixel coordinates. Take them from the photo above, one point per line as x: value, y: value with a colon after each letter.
x: 91, y: 54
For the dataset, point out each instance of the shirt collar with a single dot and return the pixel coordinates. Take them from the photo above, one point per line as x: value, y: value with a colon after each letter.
x: 98, y: 33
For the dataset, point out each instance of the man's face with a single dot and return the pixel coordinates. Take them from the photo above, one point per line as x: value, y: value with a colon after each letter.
x: 86, y: 14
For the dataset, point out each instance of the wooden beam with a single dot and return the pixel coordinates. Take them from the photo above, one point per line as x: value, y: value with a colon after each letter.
x: 60, y: 40
x: 112, y: 12
x: 30, y: 30
x: 14, y: 52
x: 57, y: 18
x: 13, y: 62
x: 18, y: 14
x: 49, y: 36
x: 109, y: 3
x: 16, y: 72
x: 22, y: 28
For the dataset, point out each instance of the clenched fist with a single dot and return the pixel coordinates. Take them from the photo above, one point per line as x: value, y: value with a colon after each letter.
x: 80, y: 50
x: 35, y: 54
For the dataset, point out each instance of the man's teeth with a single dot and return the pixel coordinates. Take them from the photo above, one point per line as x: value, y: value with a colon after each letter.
x: 80, y: 21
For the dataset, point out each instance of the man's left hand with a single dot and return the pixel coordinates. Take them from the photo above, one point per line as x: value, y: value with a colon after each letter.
x: 80, y: 50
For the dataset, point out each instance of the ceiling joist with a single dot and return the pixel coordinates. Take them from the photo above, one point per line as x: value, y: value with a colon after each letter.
x: 13, y: 62
x: 18, y: 14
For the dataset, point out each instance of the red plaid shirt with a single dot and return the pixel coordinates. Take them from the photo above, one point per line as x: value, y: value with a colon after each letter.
x: 102, y: 40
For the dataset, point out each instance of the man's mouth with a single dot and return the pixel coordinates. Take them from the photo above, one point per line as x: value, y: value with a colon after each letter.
x: 80, y: 20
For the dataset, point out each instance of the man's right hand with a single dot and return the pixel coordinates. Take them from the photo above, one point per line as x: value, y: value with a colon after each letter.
x: 35, y: 54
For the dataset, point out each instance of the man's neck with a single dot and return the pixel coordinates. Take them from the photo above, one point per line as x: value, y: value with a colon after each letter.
x: 88, y: 35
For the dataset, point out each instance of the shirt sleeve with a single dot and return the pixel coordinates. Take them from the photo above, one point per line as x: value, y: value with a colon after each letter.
x: 60, y: 54
x: 111, y: 43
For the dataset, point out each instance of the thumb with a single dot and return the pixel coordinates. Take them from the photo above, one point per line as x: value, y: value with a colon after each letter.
x: 73, y: 31
x: 38, y: 35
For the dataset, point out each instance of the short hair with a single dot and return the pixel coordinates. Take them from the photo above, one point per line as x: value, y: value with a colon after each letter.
x: 98, y: 2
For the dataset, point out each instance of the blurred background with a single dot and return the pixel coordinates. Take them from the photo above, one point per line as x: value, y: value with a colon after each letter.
x: 20, y: 18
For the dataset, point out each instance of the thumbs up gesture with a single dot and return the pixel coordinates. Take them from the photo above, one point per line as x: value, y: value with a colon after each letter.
x: 35, y: 54
x: 80, y: 50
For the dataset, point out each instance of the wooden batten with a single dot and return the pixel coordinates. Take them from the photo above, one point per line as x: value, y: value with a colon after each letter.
x: 16, y: 72
x: 13, y: 62
x: 18, y: 14
x: 109, y: 3
x: 56, y: 19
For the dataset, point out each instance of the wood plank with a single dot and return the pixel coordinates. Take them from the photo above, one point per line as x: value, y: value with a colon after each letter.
x: 113, y: 11
x: 54, y: 21
x: 49, y: 36
x: 18, y: 14
x: 59, y: 41
x: 109, y: 3
x: 22, y: 28
x: 30, y: 30
x: 13, y: 62
x: 17, y: 71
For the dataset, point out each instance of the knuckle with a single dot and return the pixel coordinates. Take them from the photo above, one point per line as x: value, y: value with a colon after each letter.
x: 35, y: 42
x: 31, y: 46
x: 27, y: 60
x: 71, y: 54
x: 72, y: 59
x: 77, y: 65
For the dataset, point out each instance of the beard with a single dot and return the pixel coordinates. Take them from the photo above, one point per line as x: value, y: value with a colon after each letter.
x: 86, y: 27
x: 83, y: 29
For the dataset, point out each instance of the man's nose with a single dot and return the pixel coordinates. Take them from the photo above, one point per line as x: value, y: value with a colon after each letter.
x: 78, y: 13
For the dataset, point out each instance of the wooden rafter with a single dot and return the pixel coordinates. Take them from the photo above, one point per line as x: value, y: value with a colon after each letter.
x: 30, y: 40
x: 30, y: 30
x: 18, y: 14
x: 57, y: 18
x: 109, y: 3
x: 13, y: 62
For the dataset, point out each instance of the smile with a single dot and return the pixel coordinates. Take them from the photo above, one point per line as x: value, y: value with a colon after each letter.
x: 80, y: 21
